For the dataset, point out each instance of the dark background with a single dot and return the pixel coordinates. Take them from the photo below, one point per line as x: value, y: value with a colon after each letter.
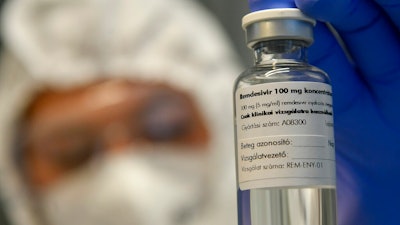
x: 230, y: 13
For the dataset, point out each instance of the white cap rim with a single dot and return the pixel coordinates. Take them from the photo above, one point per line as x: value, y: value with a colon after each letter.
x: 275, y: 14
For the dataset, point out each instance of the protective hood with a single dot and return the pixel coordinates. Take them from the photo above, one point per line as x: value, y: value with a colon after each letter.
x: 64, y: 43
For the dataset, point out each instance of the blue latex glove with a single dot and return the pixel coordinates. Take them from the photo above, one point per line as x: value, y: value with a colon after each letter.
x: 366, y: 102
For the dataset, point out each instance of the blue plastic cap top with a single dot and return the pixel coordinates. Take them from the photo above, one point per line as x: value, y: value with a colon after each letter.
x: 256, y: 5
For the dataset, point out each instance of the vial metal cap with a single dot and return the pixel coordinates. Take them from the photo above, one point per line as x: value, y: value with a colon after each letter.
x: 278, y: 24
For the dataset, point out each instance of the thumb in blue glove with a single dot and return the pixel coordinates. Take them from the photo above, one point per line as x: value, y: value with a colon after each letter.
x: 366, y: 100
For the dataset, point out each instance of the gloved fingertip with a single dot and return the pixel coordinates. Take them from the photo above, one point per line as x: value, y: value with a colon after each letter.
x: 318, y: 9
x: 305, y: 4
x: 256, y: 5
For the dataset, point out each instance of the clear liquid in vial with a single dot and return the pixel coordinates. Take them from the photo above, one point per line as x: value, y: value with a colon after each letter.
x: 287, y: 206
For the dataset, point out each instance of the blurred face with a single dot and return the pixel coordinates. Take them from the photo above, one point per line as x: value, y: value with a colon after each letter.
x: 115, y: 152
x: 67, y: 129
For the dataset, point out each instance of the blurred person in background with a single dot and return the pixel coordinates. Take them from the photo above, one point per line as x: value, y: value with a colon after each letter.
x: 115, y: 112
x: 109, y: 109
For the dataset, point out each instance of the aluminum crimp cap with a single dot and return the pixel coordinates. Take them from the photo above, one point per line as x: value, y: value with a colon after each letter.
x: 278, y: 24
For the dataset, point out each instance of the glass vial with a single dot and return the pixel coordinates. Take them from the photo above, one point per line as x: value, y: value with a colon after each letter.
x: 285, y: 155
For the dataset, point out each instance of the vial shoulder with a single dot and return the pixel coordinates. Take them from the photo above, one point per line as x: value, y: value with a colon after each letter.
x: 282, y: 73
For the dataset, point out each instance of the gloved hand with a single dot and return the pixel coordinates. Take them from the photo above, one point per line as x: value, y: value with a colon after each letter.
x: 366, y: 102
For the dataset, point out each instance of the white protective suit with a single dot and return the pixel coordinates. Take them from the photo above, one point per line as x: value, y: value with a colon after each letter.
x: 63, y: 43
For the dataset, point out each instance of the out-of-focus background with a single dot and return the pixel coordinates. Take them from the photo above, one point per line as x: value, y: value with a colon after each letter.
x: 216, y: 99
x: 229, y: 14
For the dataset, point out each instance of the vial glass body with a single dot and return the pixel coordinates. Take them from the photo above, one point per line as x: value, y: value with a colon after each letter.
x: 284, y: 139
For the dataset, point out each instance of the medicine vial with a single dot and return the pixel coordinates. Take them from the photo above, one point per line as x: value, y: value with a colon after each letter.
x: 285, y: 154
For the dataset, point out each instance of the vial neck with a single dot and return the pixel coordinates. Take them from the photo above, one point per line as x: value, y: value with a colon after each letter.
x: 277, y: 52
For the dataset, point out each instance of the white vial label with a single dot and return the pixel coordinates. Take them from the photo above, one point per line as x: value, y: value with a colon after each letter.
x: 285, y: 135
